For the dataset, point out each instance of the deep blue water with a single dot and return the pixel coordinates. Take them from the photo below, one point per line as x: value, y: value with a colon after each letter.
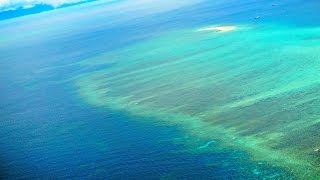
x: 48, y: 131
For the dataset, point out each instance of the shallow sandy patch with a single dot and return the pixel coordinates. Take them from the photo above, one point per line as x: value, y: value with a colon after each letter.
x: 218, y: 28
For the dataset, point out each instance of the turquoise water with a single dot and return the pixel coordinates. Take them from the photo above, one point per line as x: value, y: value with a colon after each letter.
x: 133, y: 89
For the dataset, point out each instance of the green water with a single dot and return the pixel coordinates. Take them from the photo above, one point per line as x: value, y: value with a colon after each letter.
x: 255, y: 88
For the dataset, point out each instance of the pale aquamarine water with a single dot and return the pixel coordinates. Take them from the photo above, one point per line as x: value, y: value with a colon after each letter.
x: 135, y: 89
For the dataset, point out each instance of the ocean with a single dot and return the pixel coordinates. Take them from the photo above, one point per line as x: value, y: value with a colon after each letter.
x: 150, y: 90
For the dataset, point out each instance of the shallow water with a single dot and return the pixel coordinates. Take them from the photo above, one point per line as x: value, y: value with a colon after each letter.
x: 133, y: 89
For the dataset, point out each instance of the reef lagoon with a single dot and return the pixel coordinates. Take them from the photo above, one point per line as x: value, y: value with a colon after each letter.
x: 173, y: 89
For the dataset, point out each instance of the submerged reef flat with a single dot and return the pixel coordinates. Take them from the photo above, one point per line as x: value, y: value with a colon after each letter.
x: 256, y: 89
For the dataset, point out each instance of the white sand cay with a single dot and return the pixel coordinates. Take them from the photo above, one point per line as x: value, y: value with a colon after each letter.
x: 218, y: 28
